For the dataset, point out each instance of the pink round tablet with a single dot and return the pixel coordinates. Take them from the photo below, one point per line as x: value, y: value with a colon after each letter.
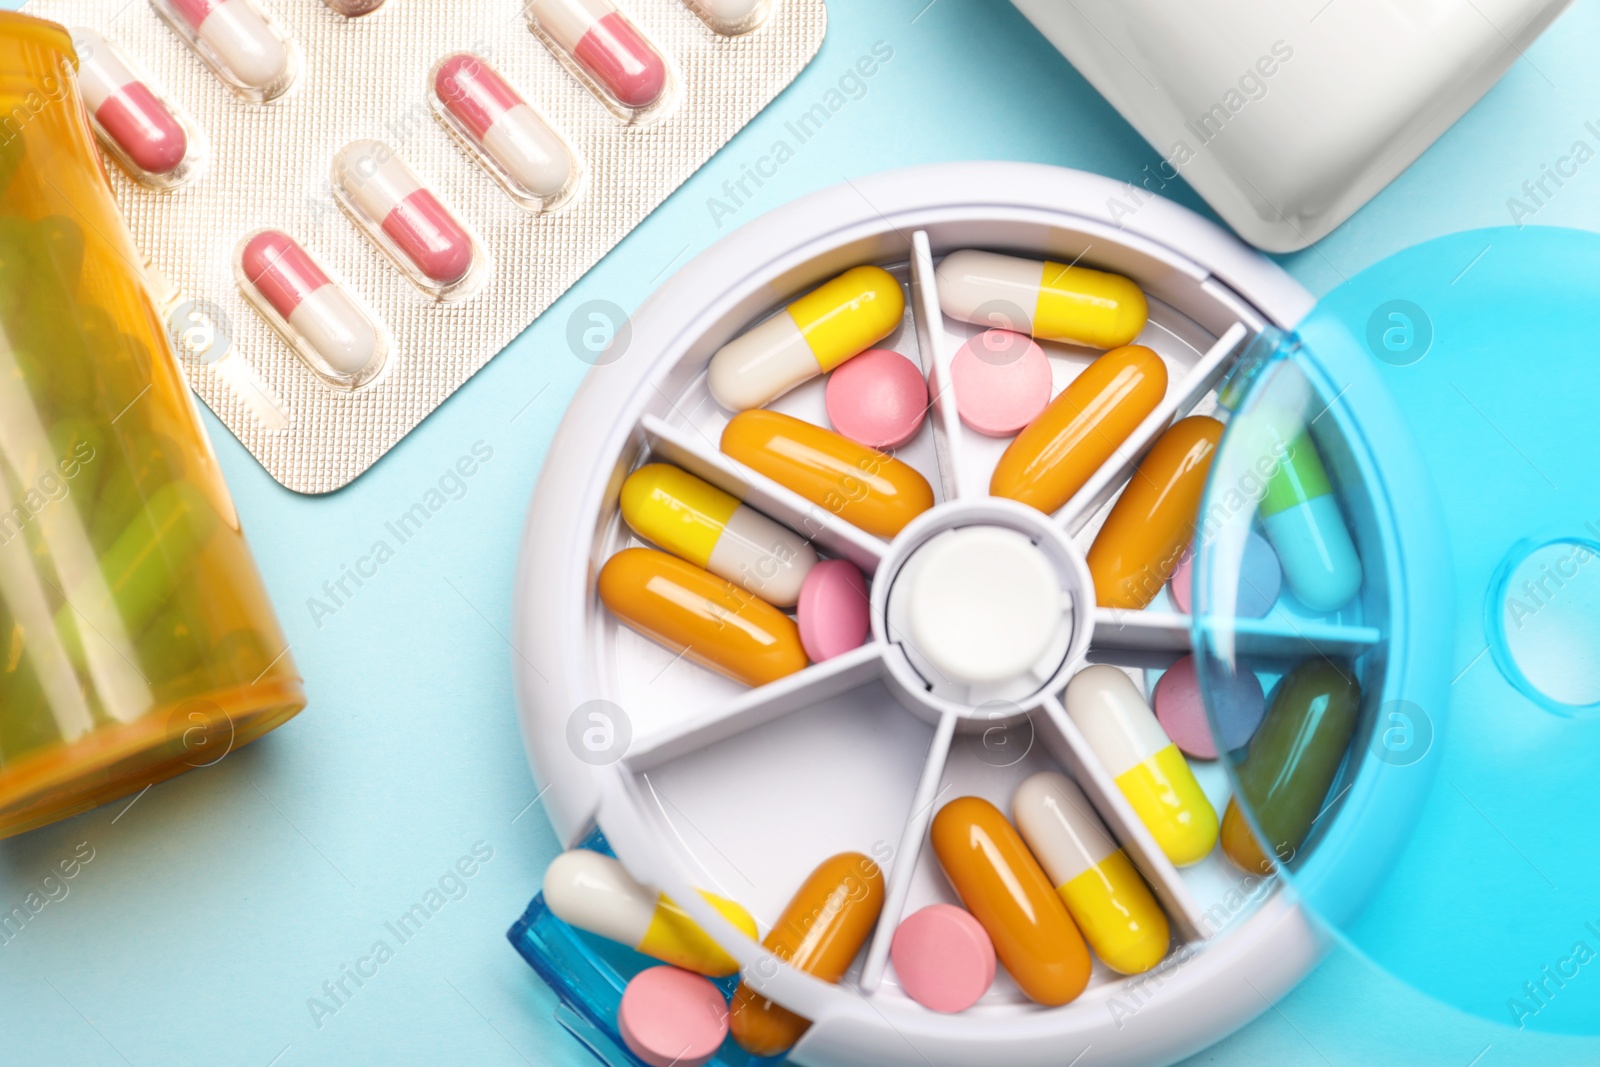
x: 877, y: 399
x: 671, y: 1018
x: 832, y: 612
x: 1260, y: 579
x: 1241, y: 705
x: 944, y: 958
x: 1002, y: 382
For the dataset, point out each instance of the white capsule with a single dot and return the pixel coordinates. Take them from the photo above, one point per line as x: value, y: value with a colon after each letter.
x: 346, y: 345
x: 593, y: 892
x: 1108, y: 899
x: 1061, y: 829
x: 237, y: 38
x: 607, y: 47
x: 731, y: 17
x: 834, y: 322
x: 484, y: 107
x: 700, y: 523
x: 1114, y: 718
x: 136, y: 122
x: 1127, y: 739
x: 400, y: 213
x: 1050, y: 301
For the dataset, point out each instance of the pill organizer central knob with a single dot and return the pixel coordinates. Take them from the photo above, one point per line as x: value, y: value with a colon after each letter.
x: 985, y: 603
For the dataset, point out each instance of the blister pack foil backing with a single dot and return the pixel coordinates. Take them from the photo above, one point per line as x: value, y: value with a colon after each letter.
x: 267, y: 165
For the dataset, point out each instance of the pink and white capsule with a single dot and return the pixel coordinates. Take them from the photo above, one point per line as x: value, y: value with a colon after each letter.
x: 239, y: 37
x: 502, y: 124
x: 608, y: 47
x: 125, y: 108
x: 314, y: 307
x: 392, y: 198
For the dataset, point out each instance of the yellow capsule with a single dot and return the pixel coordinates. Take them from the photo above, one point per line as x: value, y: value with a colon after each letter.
x: 820, y: 932
x: 710, y: 620
x: 1051, y: 301
x: 1129, y: 743
x: 1058, y: 452
x: 696, y: 521
x: 861, y: 485
x: 1107, y: 898
x: 595, y: 893
x: 813, y: 335
x: 1151, y: 524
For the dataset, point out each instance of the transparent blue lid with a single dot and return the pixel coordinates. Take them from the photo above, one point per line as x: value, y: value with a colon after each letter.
x: 588, y: 974
x: 1423, y: 455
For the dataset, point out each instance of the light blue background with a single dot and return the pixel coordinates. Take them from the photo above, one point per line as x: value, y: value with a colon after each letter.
x: 219, y: 902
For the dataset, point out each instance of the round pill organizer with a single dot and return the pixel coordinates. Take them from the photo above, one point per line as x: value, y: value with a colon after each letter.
x: 696, y: 781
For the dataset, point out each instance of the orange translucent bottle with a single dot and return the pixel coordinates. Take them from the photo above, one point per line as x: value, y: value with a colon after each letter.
x: 136, y: 640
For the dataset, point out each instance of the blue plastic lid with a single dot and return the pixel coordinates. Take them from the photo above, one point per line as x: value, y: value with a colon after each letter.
x: 1427, y: 774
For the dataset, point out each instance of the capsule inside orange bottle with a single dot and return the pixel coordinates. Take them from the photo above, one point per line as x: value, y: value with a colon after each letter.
x: 1083, y: 427
x: 1007, y: 891
x: 861, y: 485
x: 712, y: 621
x: 820, y: 932
x: 1153, y: 521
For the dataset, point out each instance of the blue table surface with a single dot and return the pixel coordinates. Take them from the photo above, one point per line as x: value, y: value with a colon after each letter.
x: 216, y: 905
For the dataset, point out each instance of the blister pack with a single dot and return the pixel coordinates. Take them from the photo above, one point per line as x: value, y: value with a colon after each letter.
x: 349, y: 206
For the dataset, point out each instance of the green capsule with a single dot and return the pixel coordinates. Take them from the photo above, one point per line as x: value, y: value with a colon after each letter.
x: 16, y: 258
x: 26, y: 722
x: 50, y: 301
x: 26, y: 371
x: 172, y: 645
x: 80, y: 456
x: 60, y: 241
x: 240, y: 658
x: 12, y: 152
x: 143, y: 567
x: 135, y: 469
x: 1290, y: 765
x: 123, y: 378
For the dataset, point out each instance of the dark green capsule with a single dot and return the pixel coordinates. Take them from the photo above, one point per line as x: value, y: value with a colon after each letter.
x: 1290, y: 765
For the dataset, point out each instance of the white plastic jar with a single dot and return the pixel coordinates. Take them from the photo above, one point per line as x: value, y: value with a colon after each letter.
x: 1288, y: 117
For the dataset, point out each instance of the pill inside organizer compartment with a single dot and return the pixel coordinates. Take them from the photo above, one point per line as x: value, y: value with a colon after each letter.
x: 609, y: 54
x: 425, y: 240
x: 848, y: 780
x: 134, y: 119
x: 245, y: 45
x: 787, y: 444
x: 713, y: 580
x: 513, y: 141
x: 338, y: 338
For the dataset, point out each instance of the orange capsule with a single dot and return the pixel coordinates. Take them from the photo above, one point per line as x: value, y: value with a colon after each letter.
x: 1151, y: 524
x: 1008, y: 892
x: 684, y: 607
x: 861, y: 485
x: 1059, y: 451
x: 820, y: 932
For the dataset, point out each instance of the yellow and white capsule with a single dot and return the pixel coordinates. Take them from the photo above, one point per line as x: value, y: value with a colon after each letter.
x: 1123, y: 732
x: 595, y: 893
x: 837, y: 320
x: 1108, y: 899
x: 696, y: 521
x: 1050, y: 301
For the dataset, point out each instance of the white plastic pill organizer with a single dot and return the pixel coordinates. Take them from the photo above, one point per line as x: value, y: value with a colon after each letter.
x: 263, y: 161
x: 697, y: 781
